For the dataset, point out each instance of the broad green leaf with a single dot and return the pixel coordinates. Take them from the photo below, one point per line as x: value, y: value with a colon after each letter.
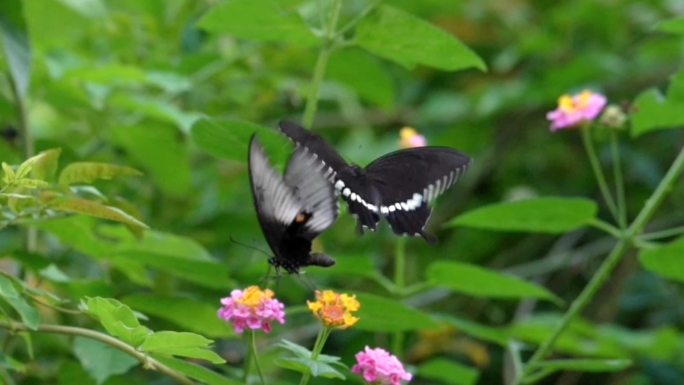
x: 229, y: 139
x: 8, y: 292
x: 16, y: 44
x: 473, y: 329
x: 310, y: 366
x: 77, y: 232
x: 480, y: 282
x: 408, y: 40
x: 100, y: 360
x: 666, y: 261
x: 303, y: 352
x: 196, y: 372
x: 258, y: 20
x: 373, y: 84
x: 44, y: 165
x: 160, y: 150
x: 210, y: 274
x: 654, y: 111
x: 98, y: 210
x: 88, y: 172
x: 154, y: 108
x: 585, y: 365
x: 108, y: 75
x: 73, y: 372
x: 118, y: 319
x: 191, y: 315
x: 157, y: 242
x: 449, y: 372
x: 672, y: 26
x: 541, y: 215
x: 182, y: 344
x: 387, y: 315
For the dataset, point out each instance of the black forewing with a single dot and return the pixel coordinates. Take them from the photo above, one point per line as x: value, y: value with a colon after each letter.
x: 305, y: 175
x: 316, y: 145
x: 275, y: 203
x: 410, y: 179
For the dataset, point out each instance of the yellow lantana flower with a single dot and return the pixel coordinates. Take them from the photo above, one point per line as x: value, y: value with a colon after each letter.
x: 334, y: 309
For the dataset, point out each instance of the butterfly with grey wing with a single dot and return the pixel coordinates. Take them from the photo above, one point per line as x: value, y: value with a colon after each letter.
x: 397, y: 186
x: 293, y: 210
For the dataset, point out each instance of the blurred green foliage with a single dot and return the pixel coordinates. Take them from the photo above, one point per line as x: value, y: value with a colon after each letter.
x: 175, y: 88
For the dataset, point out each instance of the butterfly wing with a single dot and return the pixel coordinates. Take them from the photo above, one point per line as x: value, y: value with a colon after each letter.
x: 276, y: 205
x: 408, y: 180
x: 305, y: 176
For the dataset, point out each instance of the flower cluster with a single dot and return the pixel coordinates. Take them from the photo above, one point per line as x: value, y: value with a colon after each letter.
x: 252, y: 308
x: 576, y: 109
x: 334, y: 309
x: 378, y: 367
x: 411, y: 138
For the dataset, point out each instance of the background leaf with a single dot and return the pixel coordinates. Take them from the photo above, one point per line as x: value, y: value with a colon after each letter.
x: 655, y: 111
x: 88, y: 172
x: 100, y: 360
x: 448, y: 372
x: 387, y: 315
x: 541, y: 215
x: 666, y: 261
x: 16, y: 44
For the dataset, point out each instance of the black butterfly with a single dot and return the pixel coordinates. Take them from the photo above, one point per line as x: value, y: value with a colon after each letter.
x: 294, y: 210
x: 398, y: 186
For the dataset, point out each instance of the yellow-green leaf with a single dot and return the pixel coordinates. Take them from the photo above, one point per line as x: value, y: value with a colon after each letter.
x: 87, y: 172
x: 98, y: 210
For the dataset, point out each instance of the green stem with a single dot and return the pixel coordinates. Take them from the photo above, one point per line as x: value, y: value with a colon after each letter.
x: 147, y: 361
x: 662, y: 234
x: 321, y: 338
x: 31, y: 235
x: 400, y: 284
x: 255, y: 357
x: 618, y: 179
x: 604, y: 271
x: 607, y: 227
x: 327, y: 49
x: 595, y: 166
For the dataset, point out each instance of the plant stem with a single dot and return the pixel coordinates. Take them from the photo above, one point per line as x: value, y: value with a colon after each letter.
x: 400, y: 284
x: 147, y: 361
x: 31, y: 234
x: 321, y: 338
x: 607, y: 227
x: 662, y: 234
x: 596, y: 167
x: 603, y: 272
x: 618, y: 179
x: 328, y: 46
x: 255, y: 357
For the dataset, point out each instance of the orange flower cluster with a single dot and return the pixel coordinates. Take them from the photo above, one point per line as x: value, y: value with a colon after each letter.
x: 334, y: 309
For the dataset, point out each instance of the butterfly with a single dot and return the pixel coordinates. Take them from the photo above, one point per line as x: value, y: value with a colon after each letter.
x: 293, y: 210
x: 397, y: 186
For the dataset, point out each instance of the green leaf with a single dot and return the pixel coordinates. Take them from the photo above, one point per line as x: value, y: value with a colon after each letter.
x: 373, y: 84
x: 159, y: 149
x: 585, y: 365
x: 654, y: 111
x: 310, y: 366
x: 448, y: 372
x: 196, y: 372
x: 229, y: 139
x: 480, y: 282
x: 118, y: 319
x: 97, y: 210
x: 387, y: 315
x: 258, y: 20
x: 17, y: 49
x: 666, y: 261
x: 473, y: 329
x: 100, y: 360
x: 303, y: 352
x: 182, y: 344
x: 672, y: 26
x: 88, y: 172
x: 541, y: 215
x: 44, y: 165
x: 190, y: 314
x: 408, y: 40
x: 29, y: 315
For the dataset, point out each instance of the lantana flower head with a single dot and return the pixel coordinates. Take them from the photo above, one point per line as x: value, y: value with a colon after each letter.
x: 411, y: 138
x: 252, y: 308
x: 576, y: 109
x: 379, y: 367
x: 335, y: 309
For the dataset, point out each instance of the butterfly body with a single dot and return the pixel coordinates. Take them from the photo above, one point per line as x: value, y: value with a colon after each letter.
x: 293, y: 210
x: 397, y: 186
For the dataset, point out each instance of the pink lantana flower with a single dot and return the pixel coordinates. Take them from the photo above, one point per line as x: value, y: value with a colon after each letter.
x: 573, y: 110
x: 252, y: 308
x: 378, y: 367
x: 411, y: 138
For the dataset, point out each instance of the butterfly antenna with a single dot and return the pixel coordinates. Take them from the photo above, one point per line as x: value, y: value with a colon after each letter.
x: 235, y: 241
